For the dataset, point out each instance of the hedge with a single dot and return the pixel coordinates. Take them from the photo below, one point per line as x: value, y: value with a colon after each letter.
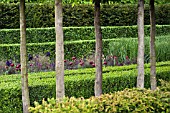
x: 42, y: 15
x: 129, y: 100
x: 51, y: 74
x: 120, y: 47
x: 82, y: 2
x: 82, y: 48
x: 40, y: 35
x: 76, y: 85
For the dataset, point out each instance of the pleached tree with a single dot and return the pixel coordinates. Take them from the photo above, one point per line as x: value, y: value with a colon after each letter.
x: 152, y: 47
x: 98, y: 52
x: 23, y: 54
x: 140, y: 57
x: 59, y: 52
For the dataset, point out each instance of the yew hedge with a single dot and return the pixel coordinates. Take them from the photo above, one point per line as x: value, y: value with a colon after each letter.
x: 42, y: 15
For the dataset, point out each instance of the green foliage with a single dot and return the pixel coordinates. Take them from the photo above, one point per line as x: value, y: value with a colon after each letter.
x: 78, y: 83
x: 40, y: 35
x: 86, y: 1
x: 27, y: 1
x: 129, y: 47
x: 136, y: 1
x: 129, y: 100
x: 82, y: 48
x: 120, y: 47
x: 165, y: 86
x: 42, y: 15
x: 11, y: 100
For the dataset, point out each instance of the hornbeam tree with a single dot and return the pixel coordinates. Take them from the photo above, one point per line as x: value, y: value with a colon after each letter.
x: 24, y: 73
x: 59, y: 52
x: 152, y: 47
x: 140, y: 57
x: 98, y: 52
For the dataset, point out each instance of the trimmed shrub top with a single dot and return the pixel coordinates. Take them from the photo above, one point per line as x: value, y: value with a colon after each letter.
x: 40, y: 35
x: 48, y: 78
x: 129, y: 100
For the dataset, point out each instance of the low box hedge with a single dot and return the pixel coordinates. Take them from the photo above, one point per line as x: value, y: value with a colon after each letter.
x: 41, y: 35
x: 51, y: 74
x: 77, y: 86
x: 40, y: 15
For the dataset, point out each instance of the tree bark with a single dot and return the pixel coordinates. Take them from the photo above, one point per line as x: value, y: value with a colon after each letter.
x: 59, y: 65
x: 152, y: 47
x: 98, y: 55
x: 140, y: 58
x: 24, y: 73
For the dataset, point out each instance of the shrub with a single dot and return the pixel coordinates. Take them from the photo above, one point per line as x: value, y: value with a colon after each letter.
x: 128, y: 100
x: 42, y: 15
x: 79, y: 83
x: 41, y: 35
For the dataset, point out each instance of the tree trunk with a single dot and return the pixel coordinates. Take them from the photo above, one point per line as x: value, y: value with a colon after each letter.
x: 140, y: 58
x: 152, y: 47
x: 24, y: 73
x: 98, y: 55
x: 59, y: 65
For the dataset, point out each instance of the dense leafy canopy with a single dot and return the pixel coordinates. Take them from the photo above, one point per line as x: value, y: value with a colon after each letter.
x: 87, y: 1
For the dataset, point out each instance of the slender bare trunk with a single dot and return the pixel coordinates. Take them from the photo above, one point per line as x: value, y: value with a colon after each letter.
x: 152, y: 47
x: 140, y: 58
x: 24, y: 74
x: 60, y: 91
x: 98, y: 55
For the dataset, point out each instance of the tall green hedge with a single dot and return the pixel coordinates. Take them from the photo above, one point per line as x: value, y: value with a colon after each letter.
x: 42, y: 15
x: 41, y: 35
x: 42, y: 85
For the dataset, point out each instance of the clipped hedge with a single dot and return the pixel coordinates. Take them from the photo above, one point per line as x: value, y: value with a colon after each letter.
x: 129, y: 101
x: 82, y: 48
x: 77, y: 72
x: 120, y: 47
x: 76, y: 85
x: 82, y: 2
x: 40, y: 35
x: 42, y: 15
